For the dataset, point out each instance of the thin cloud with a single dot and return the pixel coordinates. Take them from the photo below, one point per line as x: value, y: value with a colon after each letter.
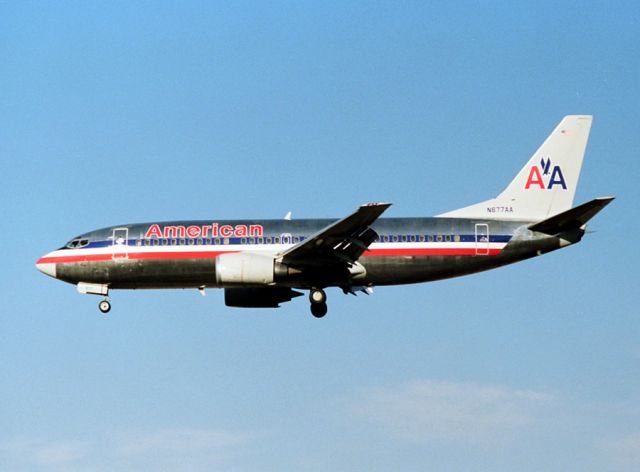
x: 624, y: 451
x: 176, y: 441
x: 47, y: 454
x: 60, y: 453
x: 174, y: 449
x: 433, y: 410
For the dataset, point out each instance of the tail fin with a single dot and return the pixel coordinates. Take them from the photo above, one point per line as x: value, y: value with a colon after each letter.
x: 546, y: 185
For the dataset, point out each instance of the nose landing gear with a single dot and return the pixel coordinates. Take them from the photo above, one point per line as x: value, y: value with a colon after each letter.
x: 104, y: 306
x: 97, y: 289
x: 318, y: 299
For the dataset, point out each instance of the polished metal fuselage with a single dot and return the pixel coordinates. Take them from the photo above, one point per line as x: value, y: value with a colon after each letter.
x: 408, y: 250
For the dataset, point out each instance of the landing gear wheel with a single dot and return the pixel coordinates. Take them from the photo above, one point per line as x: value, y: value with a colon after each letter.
x: 104, y: 306
x: 317, y: 296
x: 318, y: 309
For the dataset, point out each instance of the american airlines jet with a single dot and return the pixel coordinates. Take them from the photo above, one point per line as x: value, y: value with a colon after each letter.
x: 263, y: 263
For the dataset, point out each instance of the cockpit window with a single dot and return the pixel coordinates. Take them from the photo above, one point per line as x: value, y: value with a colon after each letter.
x: 77, y: 243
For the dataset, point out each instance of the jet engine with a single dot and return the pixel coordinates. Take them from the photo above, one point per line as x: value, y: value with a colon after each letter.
x: 244, y: 269
x: 258, y: 297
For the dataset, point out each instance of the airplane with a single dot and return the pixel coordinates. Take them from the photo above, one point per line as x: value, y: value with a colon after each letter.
x: 263, y: 263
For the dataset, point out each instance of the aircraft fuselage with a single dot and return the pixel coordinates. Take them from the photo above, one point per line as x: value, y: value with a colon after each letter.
x: 183, y: 254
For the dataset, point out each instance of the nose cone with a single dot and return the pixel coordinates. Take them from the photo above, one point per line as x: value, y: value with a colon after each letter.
x: 48, y: 268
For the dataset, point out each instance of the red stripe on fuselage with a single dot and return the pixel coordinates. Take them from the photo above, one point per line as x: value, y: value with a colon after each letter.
x: 131, y: 255
x: 213, y: 254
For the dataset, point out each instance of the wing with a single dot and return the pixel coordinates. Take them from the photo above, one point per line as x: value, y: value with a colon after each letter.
x: 342, y: 242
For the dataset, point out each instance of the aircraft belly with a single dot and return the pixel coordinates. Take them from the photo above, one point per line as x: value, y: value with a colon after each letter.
x: 416, y: 269
x: 142, y: 273
x: 395, y: 270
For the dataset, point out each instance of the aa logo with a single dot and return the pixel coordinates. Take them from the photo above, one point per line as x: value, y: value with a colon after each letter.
x: 544, y: 176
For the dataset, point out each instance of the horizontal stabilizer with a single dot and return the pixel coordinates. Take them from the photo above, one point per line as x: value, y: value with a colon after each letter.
x: 571, y: 219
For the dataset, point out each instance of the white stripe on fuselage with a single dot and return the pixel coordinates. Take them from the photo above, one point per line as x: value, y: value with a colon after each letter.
x: 266, y: 248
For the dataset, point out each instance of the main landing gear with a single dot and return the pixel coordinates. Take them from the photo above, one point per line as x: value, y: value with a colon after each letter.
x: 318, y: 300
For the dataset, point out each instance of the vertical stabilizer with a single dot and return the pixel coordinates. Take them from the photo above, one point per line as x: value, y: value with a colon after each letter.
x: 547, y: 184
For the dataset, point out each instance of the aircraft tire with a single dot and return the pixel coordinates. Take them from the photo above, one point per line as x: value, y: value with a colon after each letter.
x: 317, y: 296
x: 318, y: 309
x: 104, y: 306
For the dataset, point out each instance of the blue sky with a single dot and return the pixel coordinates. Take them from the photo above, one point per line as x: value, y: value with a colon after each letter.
x: 116, y: 112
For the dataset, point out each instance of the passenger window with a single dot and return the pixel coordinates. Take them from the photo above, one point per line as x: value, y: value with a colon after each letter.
x: 422, y: 238
x: 285, y: 238
x: 224, y: 241
x: 439, y: 238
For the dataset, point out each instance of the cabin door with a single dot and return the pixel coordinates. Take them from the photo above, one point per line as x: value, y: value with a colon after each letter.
x: 482, y: 239
x: 120, y: 244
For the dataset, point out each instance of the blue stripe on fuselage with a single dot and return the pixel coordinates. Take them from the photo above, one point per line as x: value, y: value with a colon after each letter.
x: 464, y: 238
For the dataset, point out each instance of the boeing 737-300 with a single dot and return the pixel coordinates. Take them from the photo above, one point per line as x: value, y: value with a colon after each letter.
x: 263, y: 263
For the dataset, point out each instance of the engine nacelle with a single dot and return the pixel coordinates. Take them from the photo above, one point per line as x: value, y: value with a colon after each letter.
x: 258, y: 297
x: 244, y: 269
